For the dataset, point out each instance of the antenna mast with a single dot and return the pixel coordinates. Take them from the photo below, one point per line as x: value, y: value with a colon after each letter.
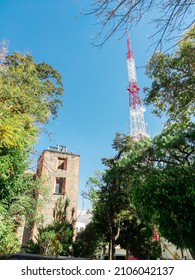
x: 3, y: 49
x: 137, y: 124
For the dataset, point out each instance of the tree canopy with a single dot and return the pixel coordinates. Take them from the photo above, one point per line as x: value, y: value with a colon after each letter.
x: 29, y: 94
x: 13, y: 164
x: 173, y: 82
x: 113, y: 210
x: 161, y: 183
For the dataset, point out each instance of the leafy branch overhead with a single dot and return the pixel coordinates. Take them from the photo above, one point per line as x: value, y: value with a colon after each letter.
x: 118, y: 16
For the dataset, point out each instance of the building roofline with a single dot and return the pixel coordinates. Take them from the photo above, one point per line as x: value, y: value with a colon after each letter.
x: 60, y: 152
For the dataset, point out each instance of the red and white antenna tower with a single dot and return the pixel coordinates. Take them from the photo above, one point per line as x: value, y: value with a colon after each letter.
x: 3, y: 49
x: 137, y: 124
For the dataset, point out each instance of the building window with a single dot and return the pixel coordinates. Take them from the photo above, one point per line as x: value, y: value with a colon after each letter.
x: 60, y: 185
x: 62, y: 163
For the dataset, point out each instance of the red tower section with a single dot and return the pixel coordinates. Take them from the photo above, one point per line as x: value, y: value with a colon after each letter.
x: 137, y: 124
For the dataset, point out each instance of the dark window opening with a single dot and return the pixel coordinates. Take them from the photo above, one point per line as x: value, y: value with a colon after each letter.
x: 60, y: 185
x: 62, y: 163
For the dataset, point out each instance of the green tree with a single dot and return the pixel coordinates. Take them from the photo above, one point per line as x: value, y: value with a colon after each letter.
x: 165, y: 194
x: 160, y: 171
x: 9, y: 242
x: 13, y: 164
x: 57, y: 237
x: 172, y: 197
x: 112, y: 205
x: 20, y: 209
x: 106, y: 206
x: 89, y: 242
x: 29, y: 94
x: 136, y: 236
x: 161, y: 183
x: 173, y: 85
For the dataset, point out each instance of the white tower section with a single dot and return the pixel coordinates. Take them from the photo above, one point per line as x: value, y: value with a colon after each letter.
x: 137, y: 123
x: 3, y: 49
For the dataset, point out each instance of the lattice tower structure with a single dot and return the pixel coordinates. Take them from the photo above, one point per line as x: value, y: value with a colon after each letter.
x: 137, y: 123
x: 3, y: 52
x: 3, y: 49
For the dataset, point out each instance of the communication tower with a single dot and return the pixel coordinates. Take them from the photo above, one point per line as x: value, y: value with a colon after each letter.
x: 137, y: 123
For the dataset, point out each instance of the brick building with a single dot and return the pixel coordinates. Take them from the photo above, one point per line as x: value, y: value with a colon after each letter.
x: 61, y: 171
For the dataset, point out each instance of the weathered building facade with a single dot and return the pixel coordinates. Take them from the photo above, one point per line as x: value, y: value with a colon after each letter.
x: 61, y: 172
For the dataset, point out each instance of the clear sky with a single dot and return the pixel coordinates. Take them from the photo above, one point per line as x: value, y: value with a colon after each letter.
x: 95, y: 80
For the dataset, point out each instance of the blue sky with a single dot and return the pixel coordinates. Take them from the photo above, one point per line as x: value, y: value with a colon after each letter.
x: 95, y: 80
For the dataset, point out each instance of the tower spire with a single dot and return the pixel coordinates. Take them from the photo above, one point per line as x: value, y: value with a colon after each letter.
x: 137, y: 124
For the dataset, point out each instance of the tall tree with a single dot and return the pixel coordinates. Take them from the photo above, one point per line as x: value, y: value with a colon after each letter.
x: 29, y: 94
x: 89, y: 242
x: 164, y: 190
x: 173, y: 85
x: 160, y: 177
x: 112, y: 205
x: 136, y: 236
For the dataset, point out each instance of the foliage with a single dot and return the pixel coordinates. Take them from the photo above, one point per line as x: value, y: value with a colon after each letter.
x: 160, y: 171
x: 173, y: 86
x: 19, y: 189
x: 21, y: 208
x: 89, y: 242
x: 169, y: 202
x: 112, y: 206
x: 9, y: 242
x: 136, y: 235
x: 120, y: 15
x: 57, y: 237
x: 13, y: 163
x: 161, y: 181
x: 154, y: 177
x: 29, y: 94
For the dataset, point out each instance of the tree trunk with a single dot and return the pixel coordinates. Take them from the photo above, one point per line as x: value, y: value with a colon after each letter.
x: 110, y: 245
x: 111, y: 251
x: 192, y: 252
x: 113, y: 245
x: 127, y: 252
